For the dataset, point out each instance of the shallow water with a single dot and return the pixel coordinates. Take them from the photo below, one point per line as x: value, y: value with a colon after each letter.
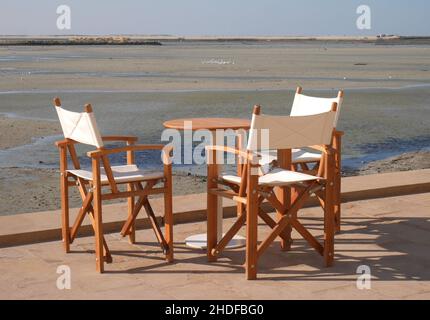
x: 377, y: 122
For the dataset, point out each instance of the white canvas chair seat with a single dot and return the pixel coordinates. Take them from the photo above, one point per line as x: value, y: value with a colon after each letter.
x: 298, y: 156
x: 121, y: 174
x: 276, y: 177
x: 301, y: 155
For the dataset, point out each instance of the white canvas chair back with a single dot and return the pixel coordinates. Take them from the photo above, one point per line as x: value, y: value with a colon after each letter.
x: 286, y: 132
x: 80, y: 126
x: 305, y: 105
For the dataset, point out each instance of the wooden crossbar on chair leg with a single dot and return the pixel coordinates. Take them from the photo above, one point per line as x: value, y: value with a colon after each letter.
x: 131, y: 218
x: 286, y: 234
x: 126, y: 229
x: 81, y: 215
x: 307, y: 236
x: 87, y: 207
x: 288, y: 214
x: 272, y: 224
x: 107, y: 255
x: 284, y: 222
x: 155, y: 226
x: 239, y: 223
x: 304, y: 166
x: 295, y: 223
x: 229, y: 234
x: 320, y: 200
x: 144, y: 202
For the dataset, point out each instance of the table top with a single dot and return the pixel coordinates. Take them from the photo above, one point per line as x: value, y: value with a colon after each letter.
x: 209, y: 123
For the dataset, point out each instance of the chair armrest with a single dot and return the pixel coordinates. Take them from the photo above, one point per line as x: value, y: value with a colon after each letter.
x: 64, y: 143
x: 249, y: 156
x: 338, y: 133
x: 321, y: 148
x: 137, y: 147
x: 329, y: 150
x: 129, y: 139
x: 120, y: 138
x: 166, y: 154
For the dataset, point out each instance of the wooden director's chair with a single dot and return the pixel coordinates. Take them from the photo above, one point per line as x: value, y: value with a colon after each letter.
x: 308, y: 160
x: 283, y: 133
x: 82, y: 128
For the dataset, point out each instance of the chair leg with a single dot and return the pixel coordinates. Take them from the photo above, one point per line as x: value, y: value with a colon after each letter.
x: 337, y: 201
x: 284, y: 196
x: 99, y: 236
x: 329, y: 226
x: 130, y: 208
x: 64, y: 189
x: 240, y: 167
x: 252, y: 209
x: 337, y: 145
x: 98, y: 232
x: 106, y: 253
x: 65, y: 227
x: 212, y: 206
x: 168, y: 210
x: 212, y: 228
x: 239, y: 209
x: 97, y: 205
x: 131, y: 219
x: 251, y: 236
x: 168, y: 219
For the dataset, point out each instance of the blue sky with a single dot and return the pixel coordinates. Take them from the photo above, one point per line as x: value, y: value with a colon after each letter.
x: 216, y: 17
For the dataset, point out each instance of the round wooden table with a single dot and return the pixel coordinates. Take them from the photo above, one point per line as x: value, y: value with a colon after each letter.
x: 210, y: 124
x: 199, y: 241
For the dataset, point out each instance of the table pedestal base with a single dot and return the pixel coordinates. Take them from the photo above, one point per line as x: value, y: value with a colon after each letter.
x: 198, y: 241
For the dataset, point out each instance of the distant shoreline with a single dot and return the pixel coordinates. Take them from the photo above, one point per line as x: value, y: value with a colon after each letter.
x: 158, y: 40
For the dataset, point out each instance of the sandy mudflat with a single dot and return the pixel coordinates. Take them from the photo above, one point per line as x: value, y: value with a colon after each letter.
x: 404, y: 162
x: 212, y: 66
x: 15, y: 131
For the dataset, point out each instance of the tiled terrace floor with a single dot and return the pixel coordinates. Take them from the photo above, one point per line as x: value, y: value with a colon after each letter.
x: 390, y: 235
